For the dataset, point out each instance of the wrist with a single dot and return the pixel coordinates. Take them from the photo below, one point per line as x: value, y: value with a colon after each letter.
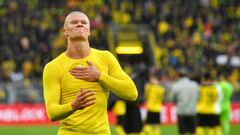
x: 73, y: 106
x: 98, y: 76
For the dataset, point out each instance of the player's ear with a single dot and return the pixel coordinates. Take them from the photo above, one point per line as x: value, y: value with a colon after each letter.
x: 65, y: 32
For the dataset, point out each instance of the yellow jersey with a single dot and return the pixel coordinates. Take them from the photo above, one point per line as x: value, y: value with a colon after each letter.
x: 119, y: 108
x: 209, y: 99
x: 154, y: 96
x: 61, y: 88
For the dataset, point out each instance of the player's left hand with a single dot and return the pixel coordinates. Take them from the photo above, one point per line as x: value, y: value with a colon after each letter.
x: 90, y: 73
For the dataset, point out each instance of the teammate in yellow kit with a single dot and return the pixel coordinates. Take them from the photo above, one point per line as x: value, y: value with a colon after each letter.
x: 208, y: 107
x: 78, y: 81
x: 119, y: 110
x: 154, y: 93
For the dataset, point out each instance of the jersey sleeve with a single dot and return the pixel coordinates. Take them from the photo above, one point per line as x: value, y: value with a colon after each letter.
x: 117, y: 81
x: 146, y: 91
x: 51, y: 90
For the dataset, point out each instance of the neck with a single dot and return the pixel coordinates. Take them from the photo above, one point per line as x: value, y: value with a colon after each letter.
x: 78, y: 49
x: 207, y: 82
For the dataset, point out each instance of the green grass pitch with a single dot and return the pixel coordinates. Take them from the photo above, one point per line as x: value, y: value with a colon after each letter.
x: 52, y: 130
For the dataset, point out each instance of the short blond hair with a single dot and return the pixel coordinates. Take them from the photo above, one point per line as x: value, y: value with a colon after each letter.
x: 72, y: 13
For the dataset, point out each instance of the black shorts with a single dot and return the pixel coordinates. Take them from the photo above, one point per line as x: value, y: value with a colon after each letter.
x: 187, y: 124
x: 120, y: 120
x: 133, y: 121
x: 153, y: 118
x: 208, y: 120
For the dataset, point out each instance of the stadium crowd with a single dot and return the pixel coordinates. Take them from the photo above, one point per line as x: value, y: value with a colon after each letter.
x: 199, y: 35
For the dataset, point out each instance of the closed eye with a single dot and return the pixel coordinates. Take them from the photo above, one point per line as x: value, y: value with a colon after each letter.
x: 77, y: 21
x: 74, y: 22
x: 83, y: 22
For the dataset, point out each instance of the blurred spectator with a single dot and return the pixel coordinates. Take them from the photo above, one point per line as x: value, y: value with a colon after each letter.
x: 3, y: 96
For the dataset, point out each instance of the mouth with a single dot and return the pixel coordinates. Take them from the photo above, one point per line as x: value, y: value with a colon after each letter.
x: 80, y: 29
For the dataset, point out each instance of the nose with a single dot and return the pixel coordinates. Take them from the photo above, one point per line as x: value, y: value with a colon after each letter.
x: 79, y: 25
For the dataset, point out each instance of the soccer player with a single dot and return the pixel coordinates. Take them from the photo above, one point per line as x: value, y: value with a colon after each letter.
x: 154, y: 93
x: 78, y: 81
x: 227, y: 90
x: 185, y: 95
x: 209, y: 107
x: 119, y: 110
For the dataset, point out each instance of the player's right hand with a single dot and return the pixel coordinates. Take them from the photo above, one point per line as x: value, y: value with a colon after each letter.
x: 84, y: 98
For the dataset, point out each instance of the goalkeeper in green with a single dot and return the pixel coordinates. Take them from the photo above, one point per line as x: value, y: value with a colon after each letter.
x: 227, y: 90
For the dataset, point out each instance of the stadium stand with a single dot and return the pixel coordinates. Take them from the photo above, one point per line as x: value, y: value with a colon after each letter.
x: 202, y: 36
